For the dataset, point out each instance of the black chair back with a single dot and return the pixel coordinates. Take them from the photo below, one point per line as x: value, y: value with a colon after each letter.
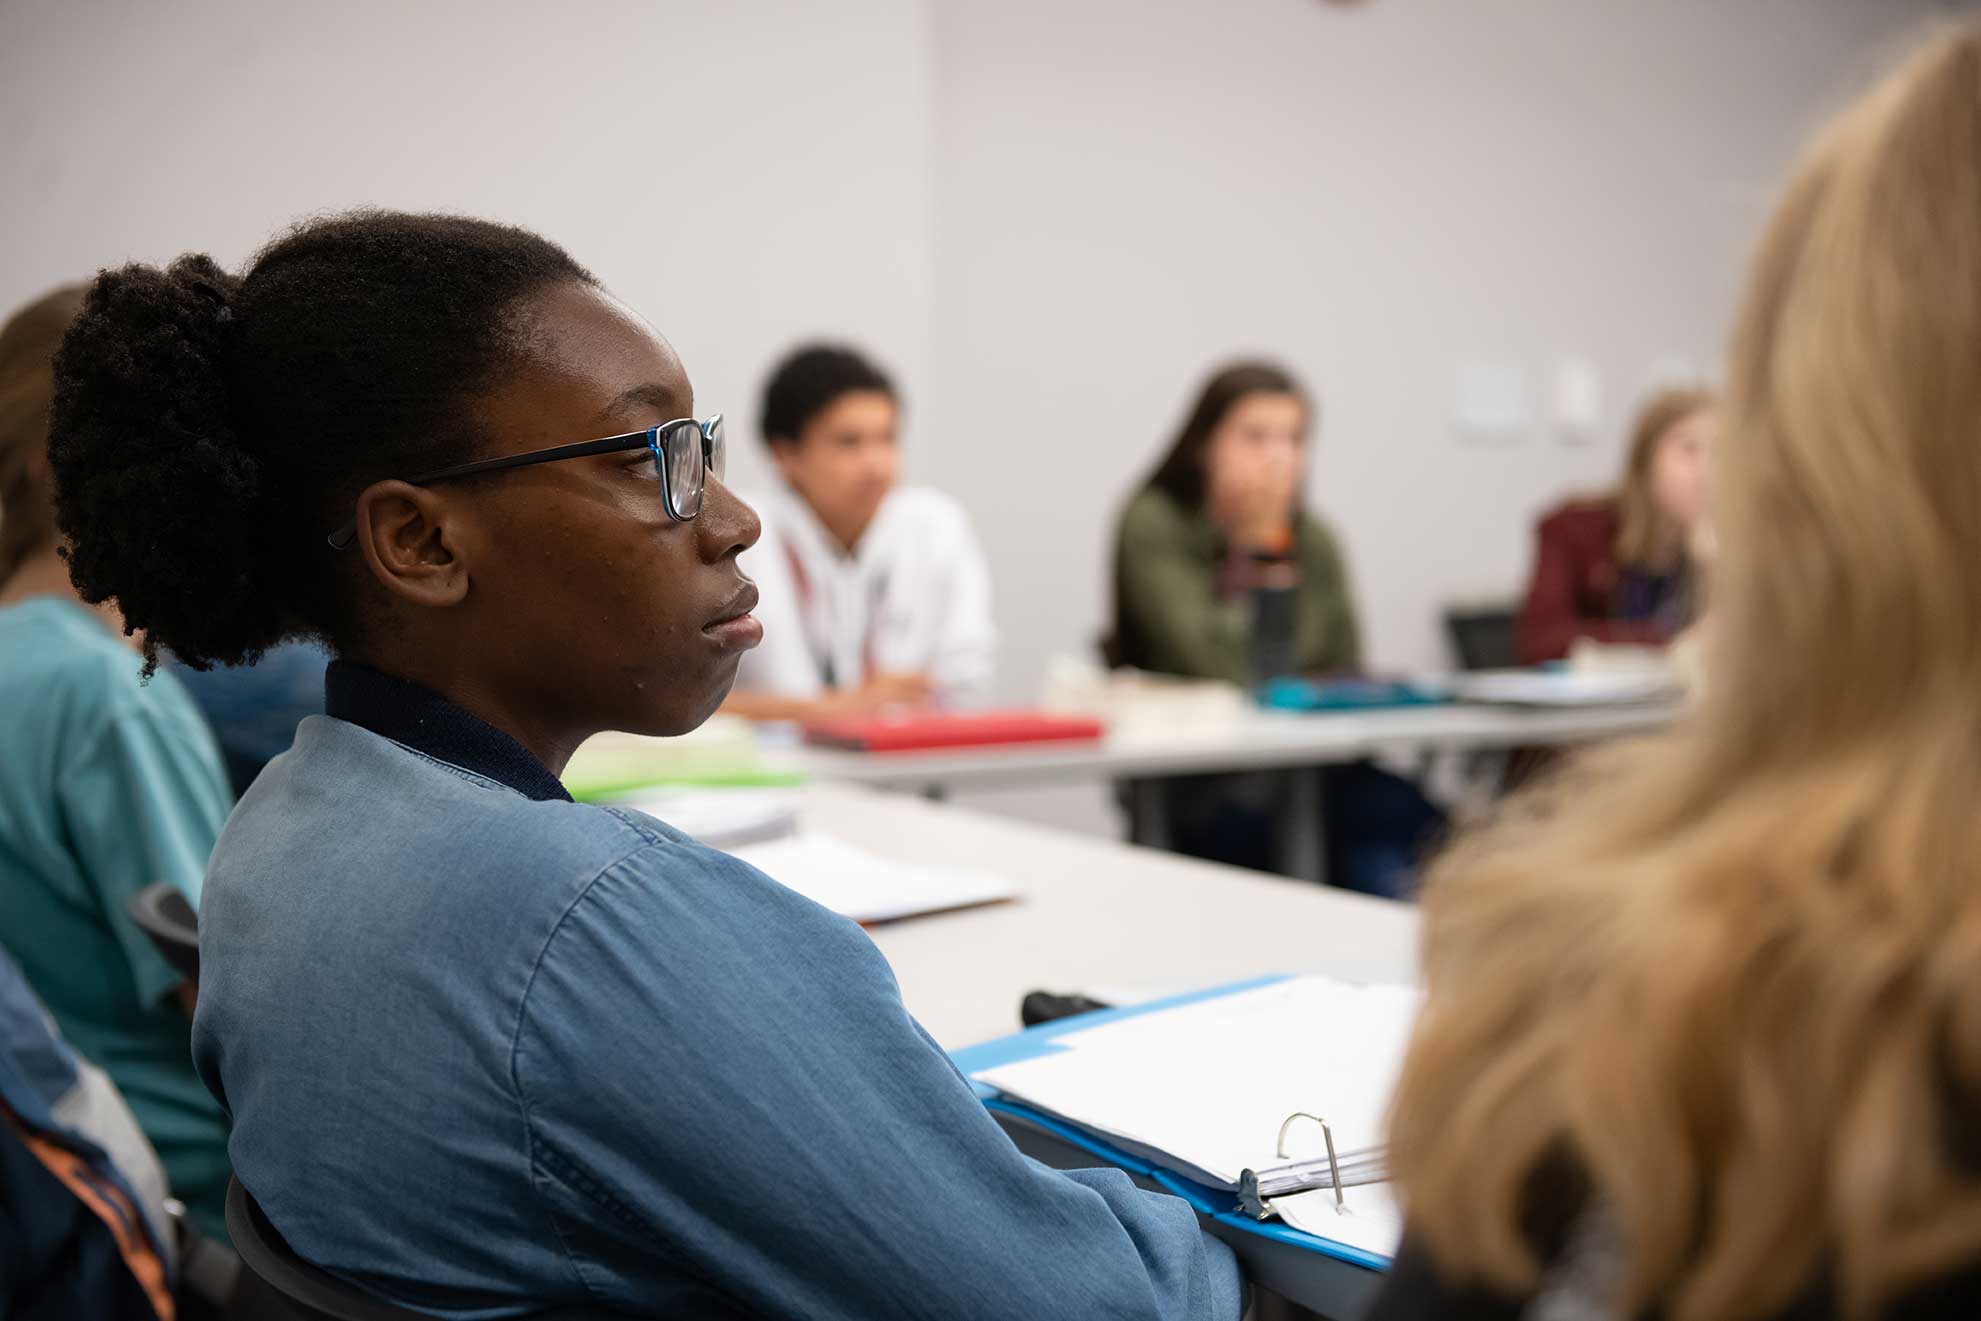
x: 300, y: 1291
x: 172, y: 923
x: 297, y: 1291
x: 1484, y: 637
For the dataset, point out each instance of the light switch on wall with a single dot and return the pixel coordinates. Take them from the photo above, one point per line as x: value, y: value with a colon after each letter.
x: 1490, y: 405
x: 1578, y: 401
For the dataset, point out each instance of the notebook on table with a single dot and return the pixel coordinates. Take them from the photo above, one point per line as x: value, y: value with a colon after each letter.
x: 927, y: 730
x: 722, y: 753
x: 1262, y: 1104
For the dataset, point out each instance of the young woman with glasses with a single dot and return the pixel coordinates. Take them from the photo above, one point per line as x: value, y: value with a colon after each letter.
x: 488, y: 1050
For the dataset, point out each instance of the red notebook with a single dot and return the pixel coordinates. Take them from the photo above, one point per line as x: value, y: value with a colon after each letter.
x: 922, y: 730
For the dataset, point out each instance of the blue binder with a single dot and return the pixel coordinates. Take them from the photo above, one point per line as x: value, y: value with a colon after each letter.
x: 1215, y: 1205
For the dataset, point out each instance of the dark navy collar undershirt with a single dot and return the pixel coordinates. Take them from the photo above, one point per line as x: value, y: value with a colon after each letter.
x: 426, y: 722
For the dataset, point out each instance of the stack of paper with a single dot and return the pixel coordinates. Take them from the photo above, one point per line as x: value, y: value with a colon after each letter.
x: 1205, y: 1090
x: 868, y: 888
x: 1567, y: 688
x: 1368, y: 1217
x: 722, y: 818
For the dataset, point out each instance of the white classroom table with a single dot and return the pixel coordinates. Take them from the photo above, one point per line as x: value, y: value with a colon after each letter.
x: 1097, y: 916
x: 1241, y: 741
x: 1141, y: 750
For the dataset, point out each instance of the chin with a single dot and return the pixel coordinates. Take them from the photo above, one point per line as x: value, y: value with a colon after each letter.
x: 669, y: 721
x: 681, y: 703
x: 861, y: 511
x: 693, y: 719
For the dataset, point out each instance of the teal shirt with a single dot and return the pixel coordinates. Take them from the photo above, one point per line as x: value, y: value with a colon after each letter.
x: 107, y: 785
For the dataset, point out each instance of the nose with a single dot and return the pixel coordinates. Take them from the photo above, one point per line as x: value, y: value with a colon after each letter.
x: 727, y: 526
x: 881, y: 462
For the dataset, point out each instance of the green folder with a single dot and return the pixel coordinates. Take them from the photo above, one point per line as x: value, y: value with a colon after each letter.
x: 616, y: 765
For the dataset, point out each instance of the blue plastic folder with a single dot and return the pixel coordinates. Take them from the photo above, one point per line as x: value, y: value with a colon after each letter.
x: 1291, y: 694
x: 1214, y: 1204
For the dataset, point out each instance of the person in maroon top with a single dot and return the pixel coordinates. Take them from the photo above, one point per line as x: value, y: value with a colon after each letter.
x: 1620, y: 569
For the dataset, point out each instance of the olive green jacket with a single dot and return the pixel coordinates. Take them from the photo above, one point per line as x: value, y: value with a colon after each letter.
x: 1169, y: 617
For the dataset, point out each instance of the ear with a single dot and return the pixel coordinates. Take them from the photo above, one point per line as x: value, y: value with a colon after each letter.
x: 409, y: 545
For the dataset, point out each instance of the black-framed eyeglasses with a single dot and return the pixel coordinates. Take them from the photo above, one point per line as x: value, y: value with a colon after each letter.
x: 685, y: 452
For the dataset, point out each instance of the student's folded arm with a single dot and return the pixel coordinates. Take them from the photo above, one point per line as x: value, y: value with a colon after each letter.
x: 718, y: 1078
x: 143, y: 802
x: 1171, y: 597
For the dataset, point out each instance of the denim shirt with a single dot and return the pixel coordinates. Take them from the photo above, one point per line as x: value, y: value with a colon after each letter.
x: 488, y: 1050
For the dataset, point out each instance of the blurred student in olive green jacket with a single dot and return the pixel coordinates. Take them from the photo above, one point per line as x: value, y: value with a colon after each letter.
x: 1220, y: 573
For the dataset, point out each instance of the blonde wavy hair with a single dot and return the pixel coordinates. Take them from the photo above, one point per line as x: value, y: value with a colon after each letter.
x: 1732, y: 975
x: 1639, y: 543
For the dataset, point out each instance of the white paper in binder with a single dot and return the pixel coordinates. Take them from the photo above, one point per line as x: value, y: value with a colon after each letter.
x: 1206, y: 1089
x: 1368, y: 1217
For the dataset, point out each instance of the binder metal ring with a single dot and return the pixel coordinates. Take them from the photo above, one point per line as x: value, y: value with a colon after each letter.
x: 1327, y: 1135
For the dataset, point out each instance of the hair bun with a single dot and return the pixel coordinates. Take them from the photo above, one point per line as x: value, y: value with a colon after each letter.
x: 199, y: 273
x: 147, y: 459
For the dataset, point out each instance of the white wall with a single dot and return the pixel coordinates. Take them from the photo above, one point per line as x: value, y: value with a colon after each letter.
x: 742, y: 174
x: 1049, y: 216
x: 1131, y: 190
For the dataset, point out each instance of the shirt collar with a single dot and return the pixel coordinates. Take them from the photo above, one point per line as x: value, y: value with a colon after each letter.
x: 801, y: 523
x: 426, y: 722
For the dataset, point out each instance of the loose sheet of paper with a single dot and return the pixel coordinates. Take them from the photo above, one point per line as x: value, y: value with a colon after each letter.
x: 867, y: 888
x: 722, y: 818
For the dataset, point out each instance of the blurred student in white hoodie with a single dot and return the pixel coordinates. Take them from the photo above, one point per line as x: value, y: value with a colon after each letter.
x: 874, y: 595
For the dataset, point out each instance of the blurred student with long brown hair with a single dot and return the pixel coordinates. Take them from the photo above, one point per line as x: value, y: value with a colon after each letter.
x: 1703, y: 1030
x: 1222, y: 571
x: 1620, y: 568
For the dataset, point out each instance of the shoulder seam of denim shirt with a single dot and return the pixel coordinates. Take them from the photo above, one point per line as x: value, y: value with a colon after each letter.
x: 644, y: 824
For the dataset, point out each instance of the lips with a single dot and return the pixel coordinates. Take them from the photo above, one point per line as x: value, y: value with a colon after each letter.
x: 736, y: 606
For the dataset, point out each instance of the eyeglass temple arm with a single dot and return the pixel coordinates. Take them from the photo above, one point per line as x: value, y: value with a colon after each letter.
x: 632, y: 440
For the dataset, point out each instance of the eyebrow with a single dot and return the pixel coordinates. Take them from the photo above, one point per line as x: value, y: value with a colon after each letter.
x: 652, y: 395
